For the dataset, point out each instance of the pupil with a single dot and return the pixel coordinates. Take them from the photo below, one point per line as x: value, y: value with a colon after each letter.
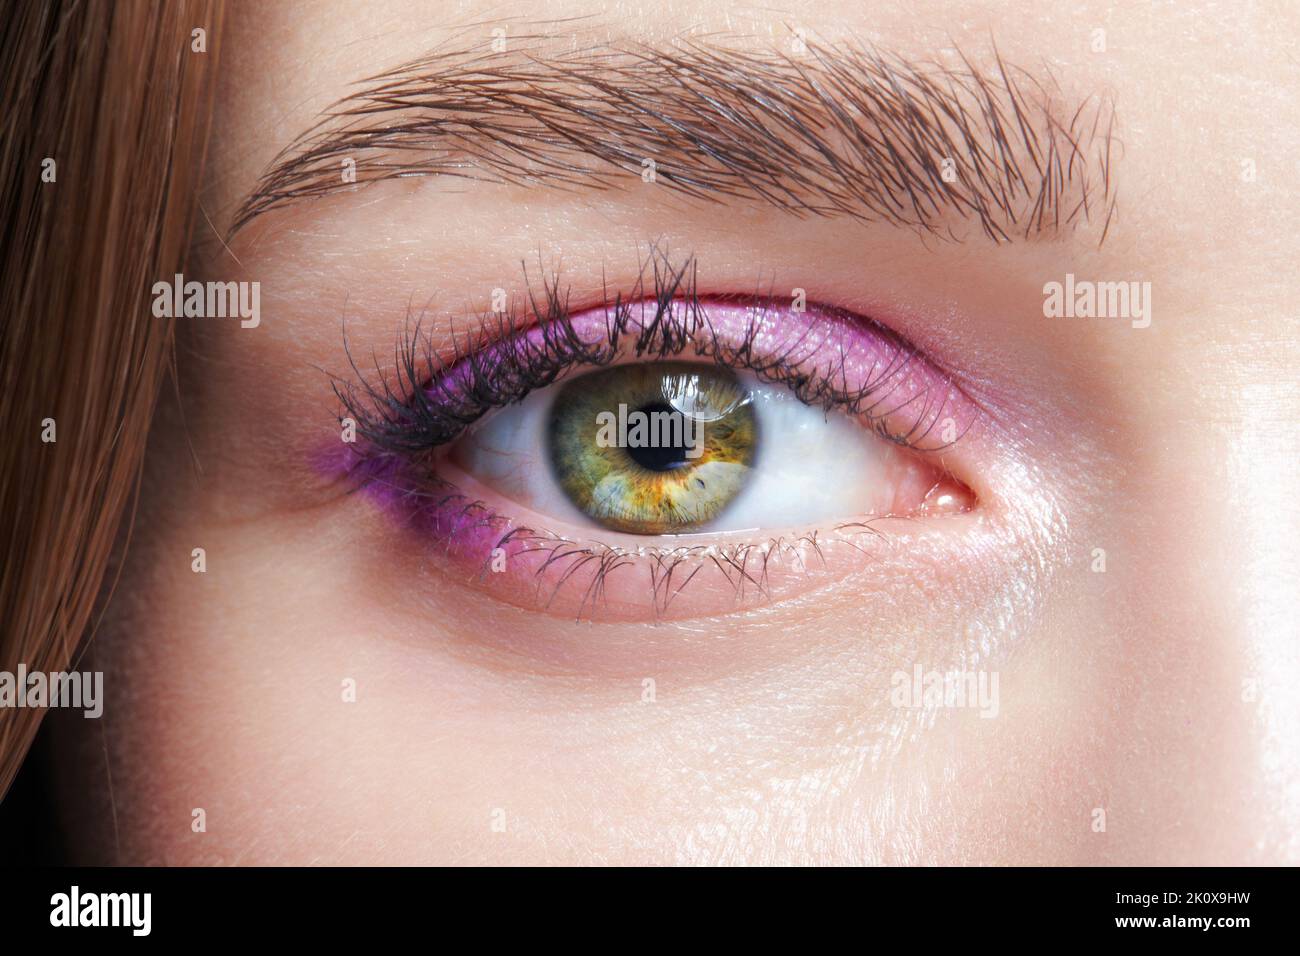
x: 655, y: 456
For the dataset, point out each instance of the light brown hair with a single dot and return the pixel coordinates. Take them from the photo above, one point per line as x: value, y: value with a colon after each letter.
x: 116, y: 95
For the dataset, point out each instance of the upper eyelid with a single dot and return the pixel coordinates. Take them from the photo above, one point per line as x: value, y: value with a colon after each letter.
x: 846, y: 130
x: 431, y: 403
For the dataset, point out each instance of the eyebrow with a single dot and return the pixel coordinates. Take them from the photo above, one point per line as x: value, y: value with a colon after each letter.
x: 833, y: 130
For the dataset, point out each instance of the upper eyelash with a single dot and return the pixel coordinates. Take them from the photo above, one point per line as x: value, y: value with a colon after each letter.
x: 426, y: 407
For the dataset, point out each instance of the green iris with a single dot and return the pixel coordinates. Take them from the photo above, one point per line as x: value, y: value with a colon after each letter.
x: 653, y: 448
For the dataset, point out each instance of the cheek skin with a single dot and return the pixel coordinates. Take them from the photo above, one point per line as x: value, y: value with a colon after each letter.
x: 465, y: 706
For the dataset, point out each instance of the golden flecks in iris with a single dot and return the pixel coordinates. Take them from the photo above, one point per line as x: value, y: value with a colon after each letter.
x: 612, y: 483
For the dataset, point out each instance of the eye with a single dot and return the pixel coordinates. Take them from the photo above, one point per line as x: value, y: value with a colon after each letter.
x: 661, y: 450
x: 664, y: 448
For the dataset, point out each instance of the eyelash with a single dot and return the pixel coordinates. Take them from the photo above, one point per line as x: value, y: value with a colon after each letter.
x: 435, y: 399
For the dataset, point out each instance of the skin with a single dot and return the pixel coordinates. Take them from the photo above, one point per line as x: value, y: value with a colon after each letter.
x: 1161, y: 691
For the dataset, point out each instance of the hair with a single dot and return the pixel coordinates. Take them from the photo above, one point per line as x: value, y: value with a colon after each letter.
x: 105, y: 109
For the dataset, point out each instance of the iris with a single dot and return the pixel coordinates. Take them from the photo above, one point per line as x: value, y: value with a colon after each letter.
x: 655, y: 448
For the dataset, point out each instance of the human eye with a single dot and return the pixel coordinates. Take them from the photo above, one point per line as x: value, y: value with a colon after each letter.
x: 666, y: 452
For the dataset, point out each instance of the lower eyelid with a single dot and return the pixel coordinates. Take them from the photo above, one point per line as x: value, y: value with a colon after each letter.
x: 531, y: 561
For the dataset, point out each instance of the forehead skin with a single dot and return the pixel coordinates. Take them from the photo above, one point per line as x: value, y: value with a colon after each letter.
x: 1174, y: 448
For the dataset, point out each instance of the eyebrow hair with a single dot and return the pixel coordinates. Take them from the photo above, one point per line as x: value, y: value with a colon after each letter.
x: 842, y: 130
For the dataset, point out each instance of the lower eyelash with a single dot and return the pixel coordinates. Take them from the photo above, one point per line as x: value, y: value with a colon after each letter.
x: 434, y: 400
x: 745, y: 565
x: 450, y: 519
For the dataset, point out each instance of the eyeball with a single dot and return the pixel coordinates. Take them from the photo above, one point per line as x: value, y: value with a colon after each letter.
x: 663, y: 448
